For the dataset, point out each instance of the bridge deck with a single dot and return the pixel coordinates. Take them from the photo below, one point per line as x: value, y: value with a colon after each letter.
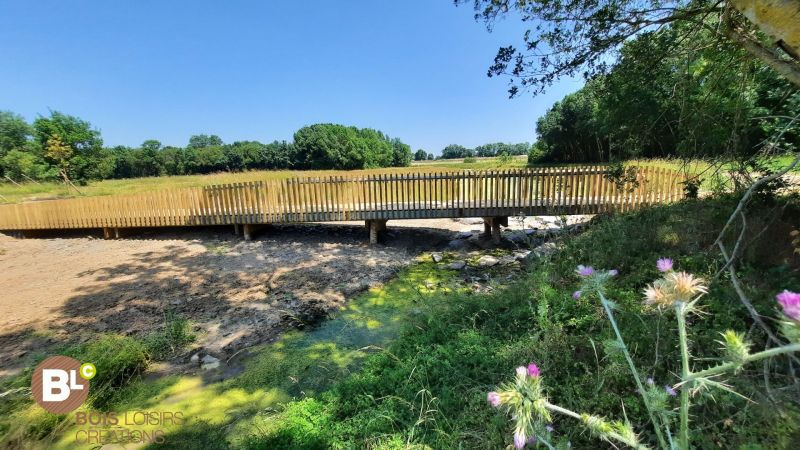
x: 540, y: 191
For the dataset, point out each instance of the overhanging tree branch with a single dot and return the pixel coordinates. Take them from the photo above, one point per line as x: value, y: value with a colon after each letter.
x: 788, y: 69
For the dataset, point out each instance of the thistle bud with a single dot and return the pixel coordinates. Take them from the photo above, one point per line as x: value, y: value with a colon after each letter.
x: 736, y: 348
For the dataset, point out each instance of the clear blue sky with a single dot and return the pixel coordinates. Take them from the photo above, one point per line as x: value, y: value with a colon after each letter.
x: 262, y: 69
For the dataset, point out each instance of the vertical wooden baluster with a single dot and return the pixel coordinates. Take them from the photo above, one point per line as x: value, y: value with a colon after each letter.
x: 238, y: 204
x: 264, y: 201
x: 246, y: 202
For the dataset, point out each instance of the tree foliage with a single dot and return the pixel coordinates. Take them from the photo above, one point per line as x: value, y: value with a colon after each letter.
x: 331, y: 146
x: 204, y: 140
x: 572, y: 38
x: 14, y: 132
x: 703, y: 99
x: 453, y: 151
x: 63, y: 146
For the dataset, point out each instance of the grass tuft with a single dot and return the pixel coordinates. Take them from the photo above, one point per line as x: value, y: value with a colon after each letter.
x: 170, y: 339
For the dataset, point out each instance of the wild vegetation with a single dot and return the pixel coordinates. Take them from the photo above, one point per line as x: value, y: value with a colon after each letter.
x: 429, y: 388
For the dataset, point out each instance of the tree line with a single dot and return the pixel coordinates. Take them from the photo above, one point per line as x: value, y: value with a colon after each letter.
x: 454, y: 151
x: 61, y: 146
x: 675, y: 92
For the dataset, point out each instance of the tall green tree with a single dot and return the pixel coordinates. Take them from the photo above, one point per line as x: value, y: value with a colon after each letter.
x: 401, y: 153
x: 88, y: 160
x: 173, y: 160
x: 454, y: 151
x: 147, y: 159
x: 61, y: 153
x: 14, y: 132
x: 204, y: 140
x: 206, y: 159
x: 694, y: 103
x: 332, y: 146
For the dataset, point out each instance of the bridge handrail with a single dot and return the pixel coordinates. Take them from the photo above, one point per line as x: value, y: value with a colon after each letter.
x: 544, y: 190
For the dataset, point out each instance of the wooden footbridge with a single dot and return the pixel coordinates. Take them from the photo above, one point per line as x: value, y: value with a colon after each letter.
x: 493, y: 195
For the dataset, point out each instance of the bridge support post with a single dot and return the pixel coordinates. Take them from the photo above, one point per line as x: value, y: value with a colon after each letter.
x: 376, y: 227
x: 247, y: 230
x: 236, y: 230
x: 496, y: 231
x: 491, y: 227
x: 111, y: 233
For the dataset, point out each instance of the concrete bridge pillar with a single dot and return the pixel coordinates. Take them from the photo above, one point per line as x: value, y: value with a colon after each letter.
x: 247, y: 231
x: 375, y: 227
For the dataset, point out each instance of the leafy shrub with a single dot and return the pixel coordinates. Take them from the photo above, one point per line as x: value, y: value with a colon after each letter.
x: 536, y: 154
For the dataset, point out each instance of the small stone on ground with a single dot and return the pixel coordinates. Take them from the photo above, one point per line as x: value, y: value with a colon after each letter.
x: 456, y: 265
x: 487, y: 261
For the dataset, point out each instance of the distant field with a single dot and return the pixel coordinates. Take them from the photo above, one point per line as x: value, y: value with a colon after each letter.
x: 11, y: 193
x: 480, y: 163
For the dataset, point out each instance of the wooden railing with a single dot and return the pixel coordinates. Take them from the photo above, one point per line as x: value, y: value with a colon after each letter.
x: 539, y: 191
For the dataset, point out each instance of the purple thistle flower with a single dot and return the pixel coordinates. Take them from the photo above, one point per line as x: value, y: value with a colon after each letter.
x: 519, y: 439
x: 790, y: 302
x: 493, y: 398
x: 664, y: 264
x: 613, y: 272
x: 531, y: 441
x: 585, y: 271
x: 533, y: 370
x: 670, y: 391
x: 576, y: 295
x: 549, y: 428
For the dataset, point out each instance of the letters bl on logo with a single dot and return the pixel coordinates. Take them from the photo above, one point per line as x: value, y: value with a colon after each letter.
x: 60, y: 384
